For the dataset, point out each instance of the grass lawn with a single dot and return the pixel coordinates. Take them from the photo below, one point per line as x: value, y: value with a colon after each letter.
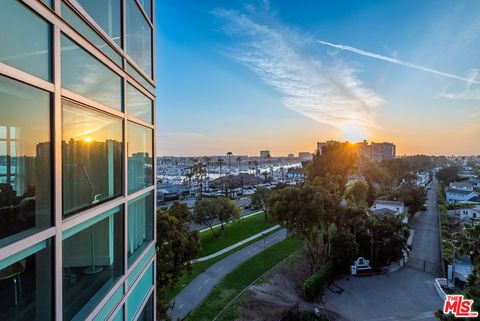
x: 242, y: 277
x: 200, y: 267
x: 233, y: 233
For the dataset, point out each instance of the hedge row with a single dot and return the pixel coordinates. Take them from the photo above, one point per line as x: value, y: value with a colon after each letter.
x: 315, y: 283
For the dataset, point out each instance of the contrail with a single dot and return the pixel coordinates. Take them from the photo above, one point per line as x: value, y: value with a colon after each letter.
x: 396, y: 61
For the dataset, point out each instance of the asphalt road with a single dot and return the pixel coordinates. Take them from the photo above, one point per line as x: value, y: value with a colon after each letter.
x: 197, y: 290
x: 425, y: 254
x: 404, y: 295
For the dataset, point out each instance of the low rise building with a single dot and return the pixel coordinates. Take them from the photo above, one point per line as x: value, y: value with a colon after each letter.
x: 464, y: 185
x: 460, y: 196
x: 469, y: 215
x: 384, y: 208
x: 305, y: 155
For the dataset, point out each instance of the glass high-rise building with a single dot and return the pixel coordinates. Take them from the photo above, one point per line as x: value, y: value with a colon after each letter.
x: 77, y: 137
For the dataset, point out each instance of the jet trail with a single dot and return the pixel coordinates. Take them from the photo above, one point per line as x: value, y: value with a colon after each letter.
x: 396, y: 61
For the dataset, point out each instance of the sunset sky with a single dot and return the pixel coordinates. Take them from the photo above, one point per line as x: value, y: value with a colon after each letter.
x: 282, y: 75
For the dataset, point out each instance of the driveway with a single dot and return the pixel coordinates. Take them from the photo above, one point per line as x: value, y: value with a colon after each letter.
x: 197, y: 290
x: 425, y: 254
x: 404, y: 295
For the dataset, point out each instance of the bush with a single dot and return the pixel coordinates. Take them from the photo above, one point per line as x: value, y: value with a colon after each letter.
x: 315, y: 283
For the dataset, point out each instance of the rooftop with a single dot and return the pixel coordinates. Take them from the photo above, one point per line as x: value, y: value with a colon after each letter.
x: 386, y: 202
x: 458, y: 191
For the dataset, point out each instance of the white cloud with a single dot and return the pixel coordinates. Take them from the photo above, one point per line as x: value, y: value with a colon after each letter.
x: 329, y: 94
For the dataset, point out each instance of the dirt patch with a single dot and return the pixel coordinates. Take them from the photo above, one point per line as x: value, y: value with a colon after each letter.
x: 273, y: 296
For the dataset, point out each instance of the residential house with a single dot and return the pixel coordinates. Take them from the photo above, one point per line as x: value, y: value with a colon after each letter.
x: 464, y: 185
x: 384, y: 208
x: 469, y: 215
x: 461, y: 196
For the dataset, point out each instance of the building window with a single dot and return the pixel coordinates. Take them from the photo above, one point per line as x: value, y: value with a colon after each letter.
x: 26, y: 284
x: 138, y: 38
x: 147, y: 311
x: 25, y: 187
x: 26, y: 40
x: 92, y: 262
x: 140, y: 161
x: 139, y: 105
x: 140, y: 225
x: 85, y: 75
x: 147, y: 7
x: 107, y: 15
x: 92, y: 147
x: 85, y: 30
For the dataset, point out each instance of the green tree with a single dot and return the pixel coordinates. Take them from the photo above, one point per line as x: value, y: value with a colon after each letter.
x: 344, y: 251
x: 176, y: 247
x: 356, y: 195
x: 226, y: 210
x: 260, y: 199
x: 336, y: 159
x: 306, y: 212
x: 180, y: 211
x: 448, y: 174
x: 206, y: 214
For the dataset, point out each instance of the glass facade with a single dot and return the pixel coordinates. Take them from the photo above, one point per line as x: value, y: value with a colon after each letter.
x: 25, y: 166
x: 139, y: 105
x: 26, y: 284
x: 140, y: 225
x: 140, y: 160
x: 107, y: 14
x: 92, y: 262
x: 77, y: 201
x: 30, y: 53
x: 139, y: 38
x: 92, y: 153
x: 85, y: 75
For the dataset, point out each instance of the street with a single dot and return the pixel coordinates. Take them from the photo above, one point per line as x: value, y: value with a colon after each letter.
x: 425, y: 254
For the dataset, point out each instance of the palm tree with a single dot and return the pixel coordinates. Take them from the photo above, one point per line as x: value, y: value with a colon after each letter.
x: 220, y: 162
x: 238, y: 161
x: 249, y: 166
x: 229, y: 154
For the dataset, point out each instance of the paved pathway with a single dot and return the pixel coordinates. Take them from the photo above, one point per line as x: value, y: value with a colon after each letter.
x: 197, y: 290
x: 238, y: 244
x: 425, y: 254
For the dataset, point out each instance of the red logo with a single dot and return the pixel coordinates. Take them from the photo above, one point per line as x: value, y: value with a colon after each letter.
x: 459, y: 306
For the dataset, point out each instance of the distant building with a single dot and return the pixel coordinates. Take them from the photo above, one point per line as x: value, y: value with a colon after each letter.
x: 321, y: 145
x: 264, y: 154
x: 384, y: 208
x: 375, y: 151
x: 305, y: 155
x: 291, y: 155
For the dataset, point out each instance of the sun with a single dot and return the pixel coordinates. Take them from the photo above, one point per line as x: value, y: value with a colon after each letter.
x: 352, y: 132
x: 87, y: 140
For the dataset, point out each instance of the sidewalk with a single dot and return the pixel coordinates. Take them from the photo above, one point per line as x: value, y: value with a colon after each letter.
x: 234, y: 246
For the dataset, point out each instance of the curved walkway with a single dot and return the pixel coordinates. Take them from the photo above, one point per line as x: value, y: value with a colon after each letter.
x: 238, y: 244
x: 197, y: 290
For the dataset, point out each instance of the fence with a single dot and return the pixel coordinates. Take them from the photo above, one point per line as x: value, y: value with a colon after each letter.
x: 434, y: 268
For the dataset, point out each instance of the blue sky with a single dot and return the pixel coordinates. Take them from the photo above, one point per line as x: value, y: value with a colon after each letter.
x: 282, y: 75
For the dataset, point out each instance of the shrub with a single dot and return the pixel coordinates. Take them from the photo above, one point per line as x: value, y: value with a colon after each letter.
x: 315, y: 283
